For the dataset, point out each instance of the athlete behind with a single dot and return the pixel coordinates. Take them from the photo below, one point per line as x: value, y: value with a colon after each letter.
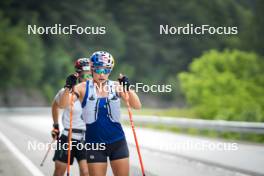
x: 100, y: 99
x: 82, y: 68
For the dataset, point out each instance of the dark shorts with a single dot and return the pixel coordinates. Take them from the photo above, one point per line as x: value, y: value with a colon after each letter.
x: 116, y: 150
x: 61, y: 154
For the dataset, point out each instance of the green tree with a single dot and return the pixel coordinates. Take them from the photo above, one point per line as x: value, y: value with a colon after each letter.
x: 60, y: 51
x: 226, y: 85
x: 132, y: 35
x: 21, y: 57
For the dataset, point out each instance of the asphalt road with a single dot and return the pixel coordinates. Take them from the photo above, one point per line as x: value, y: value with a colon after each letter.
x: 17, y: 130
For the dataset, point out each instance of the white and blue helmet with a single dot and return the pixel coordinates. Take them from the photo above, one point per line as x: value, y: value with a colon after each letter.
x: 102, y: 59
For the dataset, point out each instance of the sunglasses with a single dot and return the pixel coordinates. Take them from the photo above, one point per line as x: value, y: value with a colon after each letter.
x: 86, y: 76
x: 102, y: 70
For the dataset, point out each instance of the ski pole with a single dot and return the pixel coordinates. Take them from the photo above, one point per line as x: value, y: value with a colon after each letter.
x: 70, y: 133
x: 134, y: 132
x: 46, y: 155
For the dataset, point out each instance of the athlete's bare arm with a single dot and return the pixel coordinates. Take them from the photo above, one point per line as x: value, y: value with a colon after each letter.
x: 55, y: 112
x: 79, y: 90
x: 133, y: 99
x: 64, y: 99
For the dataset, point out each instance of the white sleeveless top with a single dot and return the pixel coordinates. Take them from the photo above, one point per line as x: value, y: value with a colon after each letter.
x: 90, y: 103
x: 77, y: 120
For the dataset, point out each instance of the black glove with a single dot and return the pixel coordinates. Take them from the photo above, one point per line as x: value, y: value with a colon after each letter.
x: 71, y: 80
x: 55, y: 133
x: 124, y: 82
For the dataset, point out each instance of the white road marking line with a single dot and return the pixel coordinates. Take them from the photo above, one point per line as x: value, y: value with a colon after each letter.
x: 24, y: 160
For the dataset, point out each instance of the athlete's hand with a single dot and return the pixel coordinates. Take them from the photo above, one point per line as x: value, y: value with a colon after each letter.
x: 71, y: 80
x: 55, y: 133
x: 124, y: 81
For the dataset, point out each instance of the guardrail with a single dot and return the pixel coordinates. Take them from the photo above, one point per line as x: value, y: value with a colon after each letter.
x: 216, y: 125
x: 178, y: 122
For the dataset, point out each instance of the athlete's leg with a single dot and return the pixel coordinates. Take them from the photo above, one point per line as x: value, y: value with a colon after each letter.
x: 60, y: 168
x: 83, y: 168
x: 97, y: 169
x: 119, y: 158
x: 61, y: 157
x: 120, y: 167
